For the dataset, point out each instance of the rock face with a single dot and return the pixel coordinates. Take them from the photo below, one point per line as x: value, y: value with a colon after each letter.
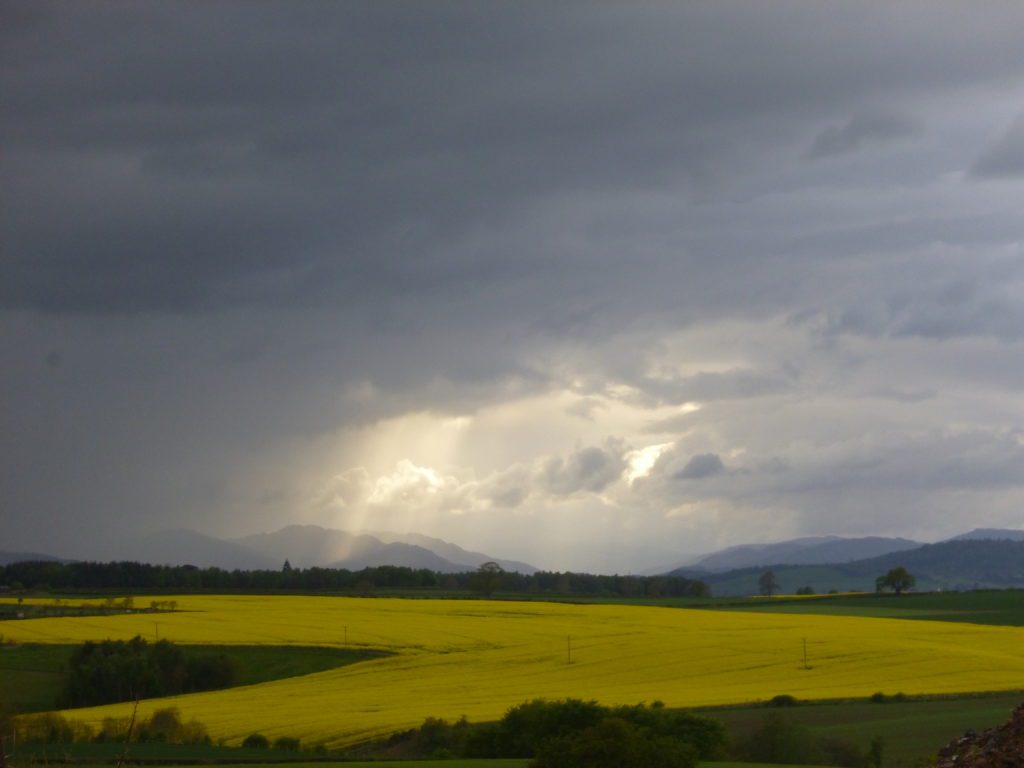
x: 999, y: 747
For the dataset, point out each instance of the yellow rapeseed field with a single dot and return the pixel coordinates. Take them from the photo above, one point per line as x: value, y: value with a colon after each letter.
x: 477, y: 658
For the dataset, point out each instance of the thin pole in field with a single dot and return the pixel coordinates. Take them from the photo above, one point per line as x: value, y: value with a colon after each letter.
x: 568, y: 649
x: 806, y: 666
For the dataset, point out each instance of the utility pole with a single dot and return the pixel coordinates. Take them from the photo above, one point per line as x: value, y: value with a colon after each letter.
x: 568, y: 649
x: 806, y: 666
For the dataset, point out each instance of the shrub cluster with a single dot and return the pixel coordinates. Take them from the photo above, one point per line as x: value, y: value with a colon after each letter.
x: 164, y: 725
x: 881, y: 698
x: 116, y: 670
x: 777, y: 740
x: 282, y: 743
x: 141, y: 576
x: 573, y: 732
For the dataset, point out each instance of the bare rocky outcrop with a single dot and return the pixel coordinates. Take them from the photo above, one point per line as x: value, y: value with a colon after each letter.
x: 999, y: 747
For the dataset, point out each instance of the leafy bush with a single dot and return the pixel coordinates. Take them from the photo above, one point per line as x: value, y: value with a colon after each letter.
x: 115, y: 670
x: 256, y: 741
x: 614, y: 743
x: 51, y: 728
x: 562, y: 729
x: 165, y: 725
x: 525, y: 726
x: 777, y: 740
x: 783, y: 700
x: 880, y: 698
x: 286, y: 744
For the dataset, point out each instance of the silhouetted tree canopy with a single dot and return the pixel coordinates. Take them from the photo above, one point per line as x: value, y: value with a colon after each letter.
x: 69, y: 577
x: 897, y: 579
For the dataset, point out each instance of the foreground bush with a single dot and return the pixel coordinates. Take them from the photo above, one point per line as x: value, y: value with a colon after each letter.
x: 614, y: 743
x: 164, y: 725
x: 256, y: 741
x: 559, y: 730
x: 286, y: 744
x: 51, y: 728
x: 116, y: 670
x: 777, y: 740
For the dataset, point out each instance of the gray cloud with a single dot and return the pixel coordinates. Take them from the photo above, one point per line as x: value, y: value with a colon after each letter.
x: 861, y: 130
x: 701, y: 466
x: 1004, y: 158
x: 589, y: 469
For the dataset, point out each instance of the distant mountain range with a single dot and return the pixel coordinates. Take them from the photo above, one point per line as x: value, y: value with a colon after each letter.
x: 6, y: 558
x: 990, y: 533
x: 804, y: 551
x: 303, y: 546
x: 983, y: 558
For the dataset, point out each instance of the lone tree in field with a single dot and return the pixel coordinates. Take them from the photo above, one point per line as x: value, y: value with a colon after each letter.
x: 768, y: 584
x: 897, y: 580
x: 488, y: 577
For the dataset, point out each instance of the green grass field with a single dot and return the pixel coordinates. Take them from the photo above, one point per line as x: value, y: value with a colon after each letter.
x: 912, y: 730
x: 509, y: 763
x: 33, y: 673
x: 996, y: 607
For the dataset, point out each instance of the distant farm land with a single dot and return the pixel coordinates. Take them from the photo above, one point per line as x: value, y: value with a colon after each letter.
x: 478, y: 658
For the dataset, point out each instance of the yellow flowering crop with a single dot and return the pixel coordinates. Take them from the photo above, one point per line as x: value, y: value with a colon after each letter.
x: 478, y: 658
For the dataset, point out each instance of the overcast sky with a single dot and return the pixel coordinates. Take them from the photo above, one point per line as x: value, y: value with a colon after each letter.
x: 586, y: 284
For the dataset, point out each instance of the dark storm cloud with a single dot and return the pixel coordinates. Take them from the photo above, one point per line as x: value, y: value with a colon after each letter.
x: 271, y: 153
x: 701, y: 466
x: 588, y: 469
x: 1005, y: 157
x: 861, y: 130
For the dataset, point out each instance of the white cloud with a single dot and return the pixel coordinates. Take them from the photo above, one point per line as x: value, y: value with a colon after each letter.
x: 410, y: 484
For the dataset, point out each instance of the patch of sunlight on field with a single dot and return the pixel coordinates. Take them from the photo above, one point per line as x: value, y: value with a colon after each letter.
x: 478, y: 658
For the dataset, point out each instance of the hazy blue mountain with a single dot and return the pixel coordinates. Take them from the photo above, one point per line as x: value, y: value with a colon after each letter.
x: 371, y: 552
x: 848, y: 550
x: 6, y: 558
x: 451, y: 552
x: 186, y: 547
x: 311, y: 545
x: 958, y: 564
x: 991, y: 533
x: 305, y: 546
x: 804, y: 551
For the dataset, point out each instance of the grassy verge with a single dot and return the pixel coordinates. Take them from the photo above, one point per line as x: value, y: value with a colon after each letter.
x: 33, y: 673
x: 912, y: 730
x: 998, y: 607
x: 466, y: 763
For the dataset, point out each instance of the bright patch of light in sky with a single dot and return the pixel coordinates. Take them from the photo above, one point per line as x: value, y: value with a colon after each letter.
x: 641, y: 462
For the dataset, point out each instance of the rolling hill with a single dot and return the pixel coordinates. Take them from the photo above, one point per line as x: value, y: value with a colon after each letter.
x: 802, y: 551
x: 955, y: 564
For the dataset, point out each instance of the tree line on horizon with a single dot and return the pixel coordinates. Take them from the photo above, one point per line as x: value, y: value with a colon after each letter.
x: 48, y: 575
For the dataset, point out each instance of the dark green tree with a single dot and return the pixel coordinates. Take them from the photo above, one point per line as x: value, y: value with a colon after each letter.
x: 767, y: 583
x: 488, y: 578
x: 897, y: 579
